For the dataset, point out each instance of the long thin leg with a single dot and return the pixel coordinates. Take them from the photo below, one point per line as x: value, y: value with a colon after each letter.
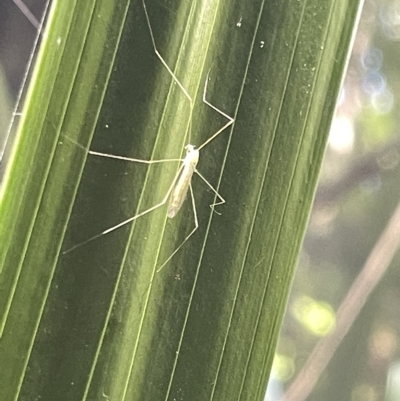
x: 174, y: 77
x: 230, y: 119
x: 113, y: 228
x: 222, y: 200
x: 196, y: 223
x: 129, y: 159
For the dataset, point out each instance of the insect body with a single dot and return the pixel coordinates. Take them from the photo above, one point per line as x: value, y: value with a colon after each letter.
x: 181, y: 183
x: 181, y: 188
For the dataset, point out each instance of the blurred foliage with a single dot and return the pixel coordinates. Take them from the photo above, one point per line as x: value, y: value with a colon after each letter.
x: 357, y: 194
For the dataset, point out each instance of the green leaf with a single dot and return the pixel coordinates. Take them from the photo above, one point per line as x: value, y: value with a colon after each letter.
x: 92, y: 319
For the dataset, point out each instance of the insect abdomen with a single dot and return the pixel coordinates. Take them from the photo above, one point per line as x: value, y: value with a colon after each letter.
x: 180, y: 191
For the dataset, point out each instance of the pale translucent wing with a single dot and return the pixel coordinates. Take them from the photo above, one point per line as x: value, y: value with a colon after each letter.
x: 180, y: 190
